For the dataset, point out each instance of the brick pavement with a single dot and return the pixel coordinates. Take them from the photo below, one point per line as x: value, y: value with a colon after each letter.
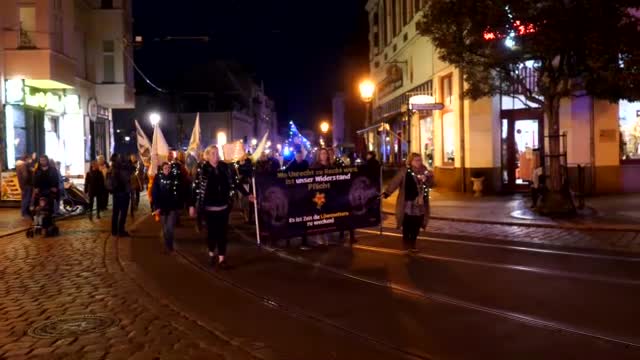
x: 78, y: 273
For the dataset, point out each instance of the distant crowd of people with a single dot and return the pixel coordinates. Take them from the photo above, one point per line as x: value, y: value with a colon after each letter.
x: 206, y: 190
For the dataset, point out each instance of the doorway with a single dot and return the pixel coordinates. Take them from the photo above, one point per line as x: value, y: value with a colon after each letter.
x: 522, y: 133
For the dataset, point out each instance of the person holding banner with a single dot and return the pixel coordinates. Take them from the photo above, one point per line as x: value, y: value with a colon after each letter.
x: 412, y: 205
x: 211, y: 201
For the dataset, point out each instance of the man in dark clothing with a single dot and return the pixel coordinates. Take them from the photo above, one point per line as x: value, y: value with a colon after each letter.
x: 24, y: 171
x: 299, y: 164
x: 45, y: 181
x: 119, y: 183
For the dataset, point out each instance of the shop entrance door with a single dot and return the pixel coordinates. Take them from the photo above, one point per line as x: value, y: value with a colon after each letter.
x: 522, y: 133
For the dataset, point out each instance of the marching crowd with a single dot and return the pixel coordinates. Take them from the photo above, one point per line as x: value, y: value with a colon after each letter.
x: 206, y: 190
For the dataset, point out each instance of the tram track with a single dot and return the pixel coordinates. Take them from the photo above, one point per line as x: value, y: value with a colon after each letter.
x: 416, y: 294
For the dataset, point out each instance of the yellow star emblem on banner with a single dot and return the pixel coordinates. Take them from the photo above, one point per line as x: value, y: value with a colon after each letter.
x: 320, y: 200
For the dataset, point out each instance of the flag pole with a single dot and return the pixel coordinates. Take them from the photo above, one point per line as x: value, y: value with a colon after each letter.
x: 381, y: 200
x: 255, y: 208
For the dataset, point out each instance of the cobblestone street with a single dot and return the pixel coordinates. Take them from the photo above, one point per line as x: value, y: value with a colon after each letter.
x: 79, y: 274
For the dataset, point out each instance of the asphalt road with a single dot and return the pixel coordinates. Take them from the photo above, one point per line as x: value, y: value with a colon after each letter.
x: 455, y: 299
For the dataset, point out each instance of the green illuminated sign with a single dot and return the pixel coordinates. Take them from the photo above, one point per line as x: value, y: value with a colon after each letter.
x: 55, y: 101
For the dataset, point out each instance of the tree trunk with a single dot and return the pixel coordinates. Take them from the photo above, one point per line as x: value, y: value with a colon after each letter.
x: 552, y: 112
x: 557, y: 201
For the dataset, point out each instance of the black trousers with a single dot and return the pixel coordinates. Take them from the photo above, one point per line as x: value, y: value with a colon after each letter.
x: 217, y: 225
x: 94, y: 199
x: 410, y: 230
x: 119, y: 214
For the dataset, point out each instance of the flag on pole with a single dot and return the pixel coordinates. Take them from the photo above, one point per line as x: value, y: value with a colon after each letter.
x: 194, y: 142
x: 159, y: 150
x: 144, y: 145
x: 260, y: 148
x: 159, y: 154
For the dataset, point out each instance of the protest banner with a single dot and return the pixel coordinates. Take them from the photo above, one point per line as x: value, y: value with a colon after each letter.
x: 292, y: 203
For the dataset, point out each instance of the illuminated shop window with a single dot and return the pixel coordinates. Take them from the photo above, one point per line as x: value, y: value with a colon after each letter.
x: 629, y: 117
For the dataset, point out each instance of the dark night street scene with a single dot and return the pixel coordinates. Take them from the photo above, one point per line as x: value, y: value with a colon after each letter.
x: 347, y: 179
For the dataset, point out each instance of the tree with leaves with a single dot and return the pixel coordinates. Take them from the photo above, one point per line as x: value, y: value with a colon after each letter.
x: 576, y: 47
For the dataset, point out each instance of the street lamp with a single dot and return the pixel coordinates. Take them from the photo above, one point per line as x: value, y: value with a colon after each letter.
x: 154, y: 118
x: 367, y: 90
x: 324, y: 127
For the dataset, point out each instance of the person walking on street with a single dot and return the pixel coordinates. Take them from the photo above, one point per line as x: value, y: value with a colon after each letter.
x: 136, y: 182
x: 412, y: 205
x: 103, y: 166
x: 211, y: 197
x: 299, y: 164
x: 119, y: 183
x: 94, y: 188
x: 25, y: 181
x: 167, y: 200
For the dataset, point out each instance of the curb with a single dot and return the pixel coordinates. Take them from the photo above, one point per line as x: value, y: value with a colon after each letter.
x: 25, y: 228
x: 586, y: 227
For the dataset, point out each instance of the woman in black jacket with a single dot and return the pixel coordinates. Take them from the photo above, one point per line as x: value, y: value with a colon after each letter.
x: 211, y: 200
x: 166, y: 201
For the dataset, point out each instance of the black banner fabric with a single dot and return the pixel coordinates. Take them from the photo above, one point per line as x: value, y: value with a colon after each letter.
x: 316, y: 201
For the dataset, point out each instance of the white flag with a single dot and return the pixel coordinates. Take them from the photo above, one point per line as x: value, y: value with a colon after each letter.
x: 260, y: 148
x: 194, y: 143
x: 144, y: 145
x: 159, y: 150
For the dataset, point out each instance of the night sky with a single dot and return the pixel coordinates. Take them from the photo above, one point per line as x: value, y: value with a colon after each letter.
x: 303, y: 51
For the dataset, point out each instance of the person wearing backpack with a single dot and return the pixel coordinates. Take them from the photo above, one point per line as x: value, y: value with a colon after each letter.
x: 119, y: 184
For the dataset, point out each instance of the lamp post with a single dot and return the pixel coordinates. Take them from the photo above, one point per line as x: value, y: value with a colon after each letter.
x: 367, y: 91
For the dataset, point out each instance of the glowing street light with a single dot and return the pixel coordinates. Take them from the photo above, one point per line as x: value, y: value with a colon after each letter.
x: 324, y: 127
x: 367, y: 89
x: 254, y: 141
x: 154, y: 118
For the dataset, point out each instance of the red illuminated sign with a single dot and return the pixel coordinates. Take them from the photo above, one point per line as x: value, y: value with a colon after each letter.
x: 519, y: 29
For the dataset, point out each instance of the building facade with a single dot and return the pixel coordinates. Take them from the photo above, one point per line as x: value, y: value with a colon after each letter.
x: 64, y: 66
x: 494, y: 138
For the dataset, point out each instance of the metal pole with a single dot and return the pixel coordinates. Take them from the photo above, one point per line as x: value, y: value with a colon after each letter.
x: 381, y: 200
x: 255, y: 208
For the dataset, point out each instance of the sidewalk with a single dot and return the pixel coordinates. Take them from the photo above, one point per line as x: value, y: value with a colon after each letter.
x: 11, y: 221
x: 618, y: 213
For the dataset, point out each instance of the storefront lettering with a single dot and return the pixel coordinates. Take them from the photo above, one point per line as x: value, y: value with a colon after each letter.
x: 55, y: 101
x: 48, y: 101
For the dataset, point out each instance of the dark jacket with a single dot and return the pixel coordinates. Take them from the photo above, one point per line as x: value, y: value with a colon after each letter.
x: 119, y: 177
x: 296, y: 166
x: 166, y: 192
x: 45, y: 180
x: 94, y: 183
x: 214, y: 186
x: 25, y: 174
